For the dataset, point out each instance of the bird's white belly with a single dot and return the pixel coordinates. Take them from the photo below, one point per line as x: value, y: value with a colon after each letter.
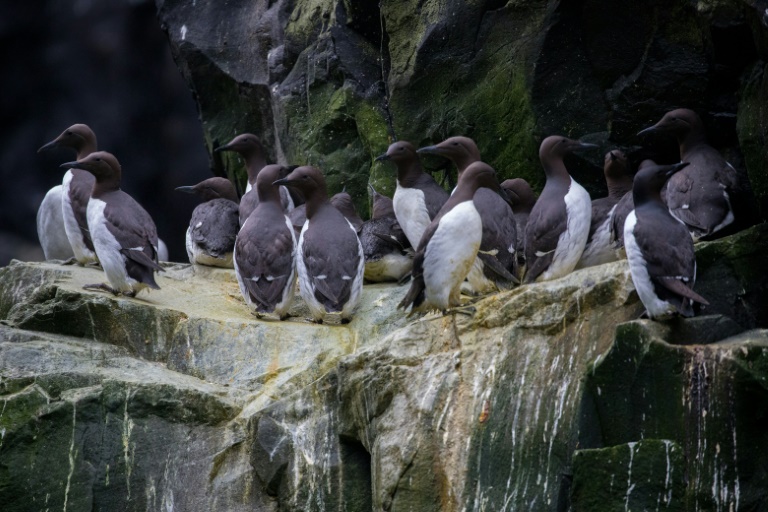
x: 411, y: 213
x: 570, y: 245
x: 599, y: 250
x: 640, y: 277
x: 198, y: 256
x: 450, y: 254
x: 50, y: 227
x: 390, y: 267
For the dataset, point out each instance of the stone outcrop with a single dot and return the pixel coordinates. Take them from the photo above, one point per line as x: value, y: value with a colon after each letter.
x: 550, y: 396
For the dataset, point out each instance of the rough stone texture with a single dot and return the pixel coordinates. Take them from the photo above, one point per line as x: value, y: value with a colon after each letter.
x: 332, y: 82
x: 183, y: 400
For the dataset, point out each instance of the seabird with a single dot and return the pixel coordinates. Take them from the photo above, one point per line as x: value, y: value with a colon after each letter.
x: 265, y: 250
x: 214, y: 224
x: 449, y: 245
x: 388, y: 254
x: 700, y: 194
x: 330, y: 258
x: 72, y: 202
x: 625, y: 205
x: 249, y: 147
x: 559, y: 222
x: 499, y: 228
x: 418, y: 198
x: 342, y: 201
x: 123, y: 233
x: 599, y: 248
x: 659, y: 248
x: 521, y: 198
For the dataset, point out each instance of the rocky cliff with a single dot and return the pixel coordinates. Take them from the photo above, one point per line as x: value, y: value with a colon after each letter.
x: 551, y: 397
x: 332, y: 82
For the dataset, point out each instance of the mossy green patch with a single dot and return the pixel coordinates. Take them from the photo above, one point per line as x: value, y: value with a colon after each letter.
x: 647, y: 475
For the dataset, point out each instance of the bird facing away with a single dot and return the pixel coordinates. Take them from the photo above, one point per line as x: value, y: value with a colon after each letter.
x: 558, y: 226
x: 496, y: 264
x: 214, y: 224
x: 342, y: 201
x: 449, y: 245
x: 599, y: 248
x: 521, y: 198
x: 330, y: 258
x: 659, y: 248
x: 265, y: 250
x: 700, y: 194
x: 418, y: 198
x: 623, y: 208
x: 249, y: 147
x: 123, y: 233
x: 388, y: 254
x: 70, y: 208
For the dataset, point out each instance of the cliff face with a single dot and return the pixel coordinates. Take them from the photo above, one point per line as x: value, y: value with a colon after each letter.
x: 550, y: 396
x: 333, y: 82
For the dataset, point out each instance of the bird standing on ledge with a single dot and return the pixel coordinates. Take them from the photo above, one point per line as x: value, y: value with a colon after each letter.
x: 124, y: 235
x: 330, y: 258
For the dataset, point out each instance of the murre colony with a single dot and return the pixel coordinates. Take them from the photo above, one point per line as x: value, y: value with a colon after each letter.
x: 287, y: 234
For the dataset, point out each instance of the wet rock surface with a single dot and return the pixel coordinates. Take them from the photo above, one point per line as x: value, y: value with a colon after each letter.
x: 550, y: 396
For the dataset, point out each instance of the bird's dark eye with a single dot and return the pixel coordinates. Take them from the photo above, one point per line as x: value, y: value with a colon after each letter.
x: 98, y: 159
x: 455, y: 143
x: 68, y: 132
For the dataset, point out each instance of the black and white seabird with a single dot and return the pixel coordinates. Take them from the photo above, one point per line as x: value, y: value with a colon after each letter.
x: 558, y: 226
x: 418, y: 198
x: 72, y: 202
x: 330, y: 258
x: 599, y: 248
x: 341, y: 201
x: 700, y: 194
x: 265, y: 250
x: 214, y: 224
x: 123, y: 233
x: 623, y: 208
x: 499, y: 228
x: 449, y: 245
x: 249, y: 147
x: 388, y: 254
x: 659, y: 248
x: 521, y: 198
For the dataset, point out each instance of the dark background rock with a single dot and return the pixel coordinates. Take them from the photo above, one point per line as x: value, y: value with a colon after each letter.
x: 333, y: 83
x: 108, y: 66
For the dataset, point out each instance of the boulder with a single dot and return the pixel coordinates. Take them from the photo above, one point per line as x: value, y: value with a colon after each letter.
x: 182, y: 399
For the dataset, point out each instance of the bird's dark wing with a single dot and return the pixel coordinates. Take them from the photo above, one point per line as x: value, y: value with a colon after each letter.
x: 214, y: 226
x: 80, y: 189
x: 545, y: 225
x: 265, y: 265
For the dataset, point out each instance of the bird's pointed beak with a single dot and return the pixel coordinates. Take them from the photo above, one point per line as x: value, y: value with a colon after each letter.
x: 429, y: 150
x: 51, y: 145
x: 646, y: 131
x: 613, y: 156
x: 676, y: 168
x: 71, y: 165
x: 284, y: 181
x: 186, y: 189
x: 382, y: 158
x: 225, y: 147
x: 587, y: 145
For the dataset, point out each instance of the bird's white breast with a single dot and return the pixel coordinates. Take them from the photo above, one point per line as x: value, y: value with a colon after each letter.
x: 639, y: 271
x: 108, y: 248
x: 411, y: 213
x: 450, y: 253
x: 50, y: 226
x: 570, y: 245
x: 599, y: 250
